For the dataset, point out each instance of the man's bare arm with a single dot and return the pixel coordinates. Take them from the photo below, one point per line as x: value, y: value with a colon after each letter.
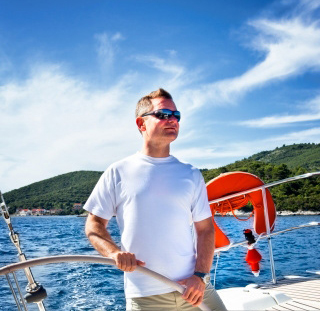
x: 101, y: 240
x: 205, y: 251
x: 205, y: 245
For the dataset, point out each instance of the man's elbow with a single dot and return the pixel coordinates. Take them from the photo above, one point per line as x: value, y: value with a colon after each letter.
x: 89, y: 226
x: 94, y: 225
x: 205, y: 227
x: 87, y: 229
x: 207, y: 233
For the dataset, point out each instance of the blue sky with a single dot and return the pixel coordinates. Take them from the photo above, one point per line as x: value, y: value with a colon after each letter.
x: 245, y: 75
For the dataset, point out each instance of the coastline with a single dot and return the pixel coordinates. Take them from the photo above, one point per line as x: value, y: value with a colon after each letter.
x: 237, y: 213
x: 298, y: 213
x: 279, y: 213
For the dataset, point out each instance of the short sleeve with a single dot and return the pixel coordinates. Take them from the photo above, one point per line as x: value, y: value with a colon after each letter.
x: 200, y: 206
x: 101, y: 201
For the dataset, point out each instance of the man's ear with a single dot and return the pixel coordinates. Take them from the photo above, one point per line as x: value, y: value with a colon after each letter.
x: 141, y: 124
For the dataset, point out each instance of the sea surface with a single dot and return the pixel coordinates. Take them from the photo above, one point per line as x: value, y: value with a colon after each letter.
x: 83, y: 286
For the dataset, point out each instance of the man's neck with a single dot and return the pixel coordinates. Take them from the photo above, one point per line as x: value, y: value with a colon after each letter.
x: 156, y: 151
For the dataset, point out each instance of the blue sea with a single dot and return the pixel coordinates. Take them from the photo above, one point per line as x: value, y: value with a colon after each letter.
x: 83, y: 286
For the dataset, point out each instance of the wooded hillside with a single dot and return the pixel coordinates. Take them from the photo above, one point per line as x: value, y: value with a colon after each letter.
x: 304, y: 155
x: 59, y: 192
x: 62, y: 191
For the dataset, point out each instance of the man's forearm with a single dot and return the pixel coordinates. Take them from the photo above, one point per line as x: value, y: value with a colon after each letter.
x: 195, y: 286
x: 100, y: 238
x: 205, y: 251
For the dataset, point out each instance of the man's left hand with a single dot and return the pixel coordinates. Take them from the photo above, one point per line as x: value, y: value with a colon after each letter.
x: 194, y: 291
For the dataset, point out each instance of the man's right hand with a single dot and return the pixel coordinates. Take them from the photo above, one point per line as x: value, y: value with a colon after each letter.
x: 126, y: 261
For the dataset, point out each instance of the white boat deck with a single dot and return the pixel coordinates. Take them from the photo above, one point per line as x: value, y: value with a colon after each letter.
x: 304, y: 292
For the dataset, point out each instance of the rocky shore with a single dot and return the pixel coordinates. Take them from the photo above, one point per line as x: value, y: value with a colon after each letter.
x: 300, y: 213
x: 279, y: 213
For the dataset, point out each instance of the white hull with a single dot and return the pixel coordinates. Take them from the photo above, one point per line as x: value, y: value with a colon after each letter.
x: 290, y: 293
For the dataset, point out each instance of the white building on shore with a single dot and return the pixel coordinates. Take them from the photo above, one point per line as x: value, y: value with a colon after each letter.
x: 24, y: 212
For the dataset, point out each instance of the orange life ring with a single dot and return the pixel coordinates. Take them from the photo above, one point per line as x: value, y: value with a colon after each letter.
x: 233, y: 182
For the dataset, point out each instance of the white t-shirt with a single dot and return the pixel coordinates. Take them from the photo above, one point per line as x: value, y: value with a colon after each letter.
x: 155, y: 200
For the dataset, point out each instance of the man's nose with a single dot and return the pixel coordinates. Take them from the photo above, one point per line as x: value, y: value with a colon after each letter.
x: 172, y: 119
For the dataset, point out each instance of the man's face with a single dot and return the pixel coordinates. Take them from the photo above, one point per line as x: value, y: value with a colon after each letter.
x: 161, y: 131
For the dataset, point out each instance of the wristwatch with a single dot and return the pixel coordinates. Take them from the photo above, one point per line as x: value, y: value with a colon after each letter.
x: 204, y: 276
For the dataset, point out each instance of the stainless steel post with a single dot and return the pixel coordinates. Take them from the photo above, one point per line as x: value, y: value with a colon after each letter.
x: 13, y: 293
x: 41, y: 306
x: 32, y: 286
x: 266, y: 217
x: 18, y: 287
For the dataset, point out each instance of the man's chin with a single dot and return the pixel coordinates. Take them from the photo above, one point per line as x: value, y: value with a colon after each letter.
x: 172, y: 136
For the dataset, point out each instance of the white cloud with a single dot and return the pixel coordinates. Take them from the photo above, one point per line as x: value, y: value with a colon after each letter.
x: 291, y: 47
x: 117, y: 37
x: 170, y: 74
x: 162, y: 65
x: 107, y: 47
x: 311, y: 113
x: 216, y: 156
x: 307, y: 6
x: 172, y: 53
x: 309, y: 135
x: 275, y: 121
x: 53, y: 123
x: 314, y: 104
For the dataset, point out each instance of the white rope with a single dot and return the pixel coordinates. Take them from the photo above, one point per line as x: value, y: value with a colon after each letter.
x: 258, y: 239
x: 215, y: 270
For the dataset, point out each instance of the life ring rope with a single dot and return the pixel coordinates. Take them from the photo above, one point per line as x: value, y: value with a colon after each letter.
x: 230, y: 205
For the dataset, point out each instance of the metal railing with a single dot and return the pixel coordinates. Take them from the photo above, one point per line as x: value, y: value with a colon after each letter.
x: 92, y: 259
x: 263, y: 188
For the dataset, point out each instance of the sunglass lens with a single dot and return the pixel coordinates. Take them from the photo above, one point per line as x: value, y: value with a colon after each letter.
x: 161, y: 115
x: 166, y: 114
x: 177, y: 115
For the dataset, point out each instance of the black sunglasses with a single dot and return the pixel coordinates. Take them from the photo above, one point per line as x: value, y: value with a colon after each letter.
x: 164, y: 114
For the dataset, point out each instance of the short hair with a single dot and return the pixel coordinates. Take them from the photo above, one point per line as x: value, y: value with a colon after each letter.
x: 144, y: 104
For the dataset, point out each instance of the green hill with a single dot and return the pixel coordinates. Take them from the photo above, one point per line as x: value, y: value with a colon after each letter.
x: 304, y: 155
x: 59, y: 192
x: 62, y: 191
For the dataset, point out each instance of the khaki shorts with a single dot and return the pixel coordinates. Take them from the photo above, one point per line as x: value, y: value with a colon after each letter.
x: 173, y: 302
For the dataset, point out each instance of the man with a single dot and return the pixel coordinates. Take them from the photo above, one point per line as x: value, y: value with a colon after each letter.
x: 156, y: 199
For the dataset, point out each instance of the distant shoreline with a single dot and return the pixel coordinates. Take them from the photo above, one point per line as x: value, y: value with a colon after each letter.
x: 279, y: 213
x: 237, y: 213
x: 298, y: 213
